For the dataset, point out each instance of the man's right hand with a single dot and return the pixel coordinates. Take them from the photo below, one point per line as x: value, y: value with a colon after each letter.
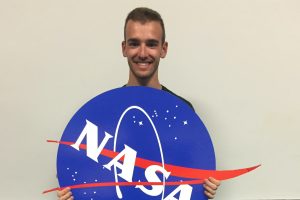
x: 65, y: 194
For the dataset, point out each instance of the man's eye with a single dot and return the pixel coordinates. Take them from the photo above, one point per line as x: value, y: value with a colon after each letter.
x: 152, y: 44
x: 133, y: 44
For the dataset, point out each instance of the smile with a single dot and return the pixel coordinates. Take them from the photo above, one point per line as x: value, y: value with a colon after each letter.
x: 143, y: 63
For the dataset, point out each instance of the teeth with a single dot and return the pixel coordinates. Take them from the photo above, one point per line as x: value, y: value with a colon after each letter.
x: 143, y: 63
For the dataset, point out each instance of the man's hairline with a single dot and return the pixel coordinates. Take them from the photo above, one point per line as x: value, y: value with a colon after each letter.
x: 143, y: 22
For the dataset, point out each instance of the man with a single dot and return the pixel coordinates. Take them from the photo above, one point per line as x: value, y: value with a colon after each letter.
x: 144, y: 45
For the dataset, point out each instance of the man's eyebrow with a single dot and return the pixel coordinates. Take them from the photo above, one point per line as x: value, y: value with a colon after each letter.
x: 132, y: 40
x: 147, y: 41
x: 152, y: 41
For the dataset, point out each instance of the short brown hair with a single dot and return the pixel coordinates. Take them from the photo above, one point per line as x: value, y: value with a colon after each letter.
x: 143, y: 15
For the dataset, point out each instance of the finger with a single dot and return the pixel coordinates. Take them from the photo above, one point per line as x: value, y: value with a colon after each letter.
x: 64, y: 194
x: 209, y: 189
x: 67, y: 196
x: 210, y: 185
x: 209, y: 195
x: 214, y: 181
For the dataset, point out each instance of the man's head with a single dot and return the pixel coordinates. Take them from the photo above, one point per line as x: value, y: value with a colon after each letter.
x: 144, y: 44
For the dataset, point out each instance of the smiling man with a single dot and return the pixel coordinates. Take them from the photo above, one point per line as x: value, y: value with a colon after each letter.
x: 144, y: 45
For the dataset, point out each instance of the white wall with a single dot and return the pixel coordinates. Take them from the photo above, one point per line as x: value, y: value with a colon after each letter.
x: 237, y: 61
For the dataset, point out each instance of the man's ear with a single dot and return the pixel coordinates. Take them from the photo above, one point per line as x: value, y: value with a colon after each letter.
x: 164, y: 50
x: 123, y: 48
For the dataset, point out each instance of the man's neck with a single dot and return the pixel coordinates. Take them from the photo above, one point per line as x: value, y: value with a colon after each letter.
x: 152, y: 84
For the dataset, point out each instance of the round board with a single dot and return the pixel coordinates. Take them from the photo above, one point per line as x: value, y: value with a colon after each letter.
x: 134, y: 143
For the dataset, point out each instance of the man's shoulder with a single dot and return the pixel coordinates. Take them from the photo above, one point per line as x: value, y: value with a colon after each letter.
x: 186, y: 101
x: 169, y: 91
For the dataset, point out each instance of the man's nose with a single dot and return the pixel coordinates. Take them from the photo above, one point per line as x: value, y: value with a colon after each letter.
x: 143, y: 52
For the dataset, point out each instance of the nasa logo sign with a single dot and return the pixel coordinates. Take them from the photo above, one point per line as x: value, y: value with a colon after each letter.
x: 137, y: 143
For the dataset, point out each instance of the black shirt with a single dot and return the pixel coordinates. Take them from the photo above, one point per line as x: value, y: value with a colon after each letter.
x: 186, y: 101
x: 169, y: 91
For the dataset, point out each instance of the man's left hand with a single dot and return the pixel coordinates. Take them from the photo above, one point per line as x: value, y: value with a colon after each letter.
x: 211, y: 185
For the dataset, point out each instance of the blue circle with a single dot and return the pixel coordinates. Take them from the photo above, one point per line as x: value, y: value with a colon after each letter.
x: 131, y: 115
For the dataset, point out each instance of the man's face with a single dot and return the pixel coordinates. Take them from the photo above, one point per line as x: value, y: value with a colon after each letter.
x: 143, y: 48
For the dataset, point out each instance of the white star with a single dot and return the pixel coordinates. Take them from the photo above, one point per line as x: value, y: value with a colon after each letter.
x: 175, y: 138
x: 167, y: 111
x: 166, y: 118
x: 141, y: 123
x: 169, y: 125
x: 133, y: 117
x: 174, y: 117
x: 134, y: 121
x: 185, y: 122
x: 176, y: 106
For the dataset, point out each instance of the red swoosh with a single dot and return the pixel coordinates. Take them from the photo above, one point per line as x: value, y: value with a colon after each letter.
x: 184, y: 172
x: 109, y: 184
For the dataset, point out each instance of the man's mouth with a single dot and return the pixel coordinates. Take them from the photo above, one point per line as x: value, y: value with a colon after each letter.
x: 143, y: 64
